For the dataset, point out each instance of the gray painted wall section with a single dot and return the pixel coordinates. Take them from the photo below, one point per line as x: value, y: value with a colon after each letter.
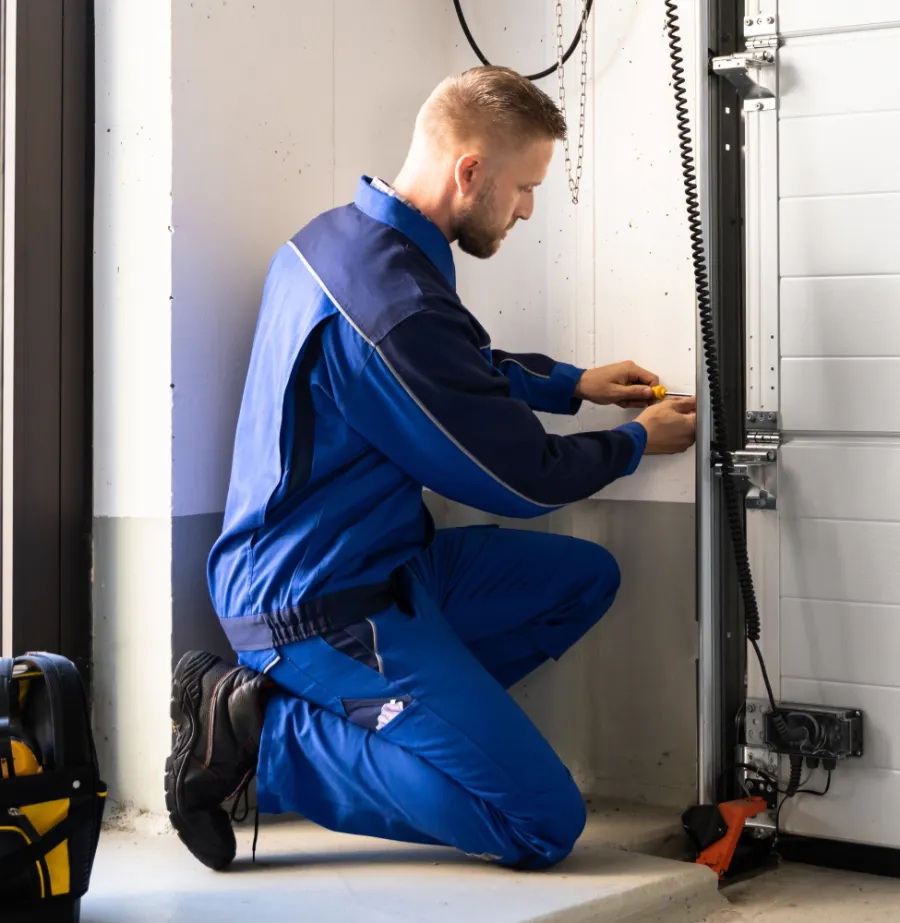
x: 619, y: 708
x: 132, y: 598
x: 149, y: 574
x: 194, y: 622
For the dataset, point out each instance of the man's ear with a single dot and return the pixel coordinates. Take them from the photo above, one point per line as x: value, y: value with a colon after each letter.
x: 467, y: 168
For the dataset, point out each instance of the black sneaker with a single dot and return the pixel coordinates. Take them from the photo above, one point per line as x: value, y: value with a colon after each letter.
x: 217, y: 711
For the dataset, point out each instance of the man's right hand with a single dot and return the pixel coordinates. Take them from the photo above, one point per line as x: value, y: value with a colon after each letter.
x: 671, y: 426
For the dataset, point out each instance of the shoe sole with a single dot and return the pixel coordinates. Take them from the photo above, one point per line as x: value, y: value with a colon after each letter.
x: 184, y: 711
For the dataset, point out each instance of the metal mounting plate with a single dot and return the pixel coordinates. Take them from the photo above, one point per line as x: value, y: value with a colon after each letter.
x: 762, y: 825
x: 761, y: 24
x: 763, y: 420
x: 759, y: 105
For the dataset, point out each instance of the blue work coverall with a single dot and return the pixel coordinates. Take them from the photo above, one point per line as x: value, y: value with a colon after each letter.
x: 392, y: 644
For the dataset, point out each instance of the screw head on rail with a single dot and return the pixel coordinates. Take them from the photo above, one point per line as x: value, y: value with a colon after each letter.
x: 770, y: 20
x: 748, y: 21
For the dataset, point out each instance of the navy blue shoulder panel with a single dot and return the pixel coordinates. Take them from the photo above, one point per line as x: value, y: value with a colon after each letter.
x: 376, y: 275
x: 436, y: 355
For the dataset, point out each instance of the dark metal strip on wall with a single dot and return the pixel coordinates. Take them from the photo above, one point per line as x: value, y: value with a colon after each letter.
x: 51, y: 485
x: 728, y: 245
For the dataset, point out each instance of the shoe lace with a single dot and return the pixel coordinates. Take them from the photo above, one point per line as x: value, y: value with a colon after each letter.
x: 240, y: 810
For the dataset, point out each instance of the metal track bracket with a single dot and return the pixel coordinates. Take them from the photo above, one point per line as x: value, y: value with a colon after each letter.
x: 759, y: 454
x: 742, y: 69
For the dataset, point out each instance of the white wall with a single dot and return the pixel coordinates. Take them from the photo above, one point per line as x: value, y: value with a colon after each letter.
x: 132, y: 271
x: 132, y: 394
x: 610, y: 278
x: 258, y: 152
x: 278, y: 107
x: 223, y: 128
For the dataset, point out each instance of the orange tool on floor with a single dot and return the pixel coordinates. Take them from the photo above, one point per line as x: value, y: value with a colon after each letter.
x: 735, y: 814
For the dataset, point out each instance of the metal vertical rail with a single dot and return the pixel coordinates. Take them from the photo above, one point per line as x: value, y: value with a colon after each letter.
x: 709, y: 662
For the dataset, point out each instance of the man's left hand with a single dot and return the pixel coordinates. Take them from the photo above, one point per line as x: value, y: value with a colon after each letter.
x: 623, y: 383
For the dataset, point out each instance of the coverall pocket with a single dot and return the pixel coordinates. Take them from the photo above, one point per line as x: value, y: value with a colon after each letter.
x: 358, y: 641
x: 377, y: 714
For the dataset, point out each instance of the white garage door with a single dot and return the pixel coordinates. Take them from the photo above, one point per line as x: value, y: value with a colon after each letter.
x: 823, y: 257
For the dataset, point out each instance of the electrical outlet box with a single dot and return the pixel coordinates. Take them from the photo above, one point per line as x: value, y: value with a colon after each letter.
x: 831, y: 734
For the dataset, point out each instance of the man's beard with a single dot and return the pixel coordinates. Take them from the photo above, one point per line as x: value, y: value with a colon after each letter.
x: 474, y: 230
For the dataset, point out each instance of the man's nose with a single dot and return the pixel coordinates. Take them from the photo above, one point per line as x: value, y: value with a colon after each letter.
x: 525, y: 208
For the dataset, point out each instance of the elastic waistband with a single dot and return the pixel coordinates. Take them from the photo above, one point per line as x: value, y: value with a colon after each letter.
x: 309, y: 619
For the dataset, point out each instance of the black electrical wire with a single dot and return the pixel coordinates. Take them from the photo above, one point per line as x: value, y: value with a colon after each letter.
x: 800, y: 791
x: 731, y: 494
x: 544, y: 73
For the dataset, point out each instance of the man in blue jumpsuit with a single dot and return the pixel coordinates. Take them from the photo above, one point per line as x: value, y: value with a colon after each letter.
x: 376, y: 652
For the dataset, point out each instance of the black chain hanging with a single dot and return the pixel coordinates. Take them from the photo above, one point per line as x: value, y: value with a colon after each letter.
x: 544, y: 73
x: 581, y: 37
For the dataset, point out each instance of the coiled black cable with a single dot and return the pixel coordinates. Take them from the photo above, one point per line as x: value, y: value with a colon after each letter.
x: 796, y: 773
x: 731, y: 494
x: 544, y: 73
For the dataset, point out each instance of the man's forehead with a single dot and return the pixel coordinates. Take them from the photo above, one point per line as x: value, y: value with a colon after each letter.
x: 534, y: 159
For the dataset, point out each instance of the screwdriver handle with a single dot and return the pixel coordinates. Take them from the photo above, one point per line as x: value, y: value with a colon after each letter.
x: 660, y: 392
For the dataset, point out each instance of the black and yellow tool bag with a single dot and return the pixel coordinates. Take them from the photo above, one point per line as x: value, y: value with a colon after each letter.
x: 51, y: 796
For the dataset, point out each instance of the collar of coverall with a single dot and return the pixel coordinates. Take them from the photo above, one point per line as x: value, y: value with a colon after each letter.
x: 379, y: 201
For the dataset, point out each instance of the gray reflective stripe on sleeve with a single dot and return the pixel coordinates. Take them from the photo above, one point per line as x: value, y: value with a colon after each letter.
x: 271, y: 663
x: 378, y: 659
x: 418, y: 403
x: 525, y: 368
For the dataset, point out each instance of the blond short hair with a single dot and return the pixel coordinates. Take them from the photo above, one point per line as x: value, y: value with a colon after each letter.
x: 493, y: 102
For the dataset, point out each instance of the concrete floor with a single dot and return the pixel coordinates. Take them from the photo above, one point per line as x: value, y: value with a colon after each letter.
x: 804, y: 894
x: 308, y: 874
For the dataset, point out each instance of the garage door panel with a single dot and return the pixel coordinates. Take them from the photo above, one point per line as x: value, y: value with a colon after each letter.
x: 831, y: 606
x: 839, y: 642
x: 839, y: 155
x: 841, y: 236
x: 842, y: 561
x: 862, y: 806
x: 843, y: 316
x: 833, y: 480
x: 812, y: 83
x: 813, y: 15
x: 840, y: 395
x: 879, y: 705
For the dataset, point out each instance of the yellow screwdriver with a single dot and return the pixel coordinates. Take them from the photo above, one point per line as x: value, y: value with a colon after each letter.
x: 659, y: 392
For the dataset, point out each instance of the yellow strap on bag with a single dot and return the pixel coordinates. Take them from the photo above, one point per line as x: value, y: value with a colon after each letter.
x: 44, y: 817
x: 25, y: 763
